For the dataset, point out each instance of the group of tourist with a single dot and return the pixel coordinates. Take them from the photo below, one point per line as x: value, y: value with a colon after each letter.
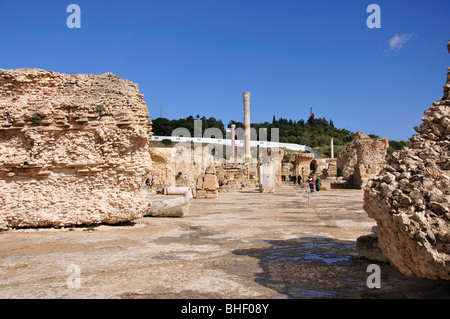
x: 313, y: 181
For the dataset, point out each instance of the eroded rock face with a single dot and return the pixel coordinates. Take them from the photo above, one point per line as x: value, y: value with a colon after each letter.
x: 73, y: 149
x: 347, y: 156
x: 410, y: 198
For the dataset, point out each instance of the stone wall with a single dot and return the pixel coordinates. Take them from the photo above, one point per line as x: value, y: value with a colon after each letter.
x: 178, y: 166
x: 371, y: 158
x: 163, y: 167
x: 305, y: 164
x: 302, y: 164
x: 410, y: 198
x: 324, y: 167
x: 187, y: 172
x: 232, y: 177
x: 207, y: 184
x: 362, y: 159
x: 347, y: 156
x: 73, y: 149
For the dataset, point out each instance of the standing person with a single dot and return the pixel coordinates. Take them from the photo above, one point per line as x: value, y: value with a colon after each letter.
x: 149, y: 181
x: 318, y: 183
x: 294, y: 179
x: 311, y: 183
x: 299, y: 179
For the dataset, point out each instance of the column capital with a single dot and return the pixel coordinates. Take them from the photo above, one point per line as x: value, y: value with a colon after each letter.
x: 246, y: 96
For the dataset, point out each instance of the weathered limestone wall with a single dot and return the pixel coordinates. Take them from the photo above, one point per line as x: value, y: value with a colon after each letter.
x: 188, y: 171
x: 322, y: 167
x: 410, y: 198
x: 303, y: 164
x: 362, y: 159
x: 73, y: 149
x: 371, y: 155
x: 207, y: 184
x: 347, y: 156
x: 163, y: 167
x: 172, y: 166
x: 232, y: 177
x: 331, y: 170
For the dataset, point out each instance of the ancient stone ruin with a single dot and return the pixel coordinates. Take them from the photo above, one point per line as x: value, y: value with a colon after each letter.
x: 302, y: 165
x: 362, y: 159
x: 177, y: 166
x: 207, y: 185
x: 410, y: 198
x: 73, y: 149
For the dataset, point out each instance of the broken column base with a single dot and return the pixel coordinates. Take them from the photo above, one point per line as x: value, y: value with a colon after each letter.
x: 171, y: 207
x: 266, y: 189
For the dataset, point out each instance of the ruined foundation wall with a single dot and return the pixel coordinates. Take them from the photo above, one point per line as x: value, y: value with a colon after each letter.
x: 73, y: 149
x: 178, y: 166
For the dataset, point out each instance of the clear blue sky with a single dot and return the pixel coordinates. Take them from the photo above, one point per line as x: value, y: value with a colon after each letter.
x: 198, y: 56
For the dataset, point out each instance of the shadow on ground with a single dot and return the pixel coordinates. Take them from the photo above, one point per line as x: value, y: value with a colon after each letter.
x: 314, y: 267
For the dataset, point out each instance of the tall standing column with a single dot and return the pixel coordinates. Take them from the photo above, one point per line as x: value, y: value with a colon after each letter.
x: 233, y: 142
x: 248, y: 155
x: 332, y: 147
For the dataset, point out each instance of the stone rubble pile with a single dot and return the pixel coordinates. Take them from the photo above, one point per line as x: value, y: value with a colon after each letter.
x: 410, y: 198
x: 73, y: 149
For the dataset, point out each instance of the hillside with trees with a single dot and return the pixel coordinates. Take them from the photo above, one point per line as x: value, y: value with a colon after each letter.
x: 315, y: 132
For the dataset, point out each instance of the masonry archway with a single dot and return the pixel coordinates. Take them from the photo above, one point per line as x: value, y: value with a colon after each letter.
x: 312, y: 167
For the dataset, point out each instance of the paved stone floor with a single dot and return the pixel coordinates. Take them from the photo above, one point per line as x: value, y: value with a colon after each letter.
x: 240, y: 245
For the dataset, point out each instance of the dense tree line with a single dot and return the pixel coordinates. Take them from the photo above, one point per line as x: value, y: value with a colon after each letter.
x: 314, y: 132
x: 164, y: 127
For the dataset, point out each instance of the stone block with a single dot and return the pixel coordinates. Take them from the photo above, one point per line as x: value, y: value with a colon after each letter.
x: 210, y: 183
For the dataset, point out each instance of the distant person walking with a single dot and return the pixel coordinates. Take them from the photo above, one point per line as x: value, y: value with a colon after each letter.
x: 318, y: 180
x: 299, y: 179
x: 294, y: 179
